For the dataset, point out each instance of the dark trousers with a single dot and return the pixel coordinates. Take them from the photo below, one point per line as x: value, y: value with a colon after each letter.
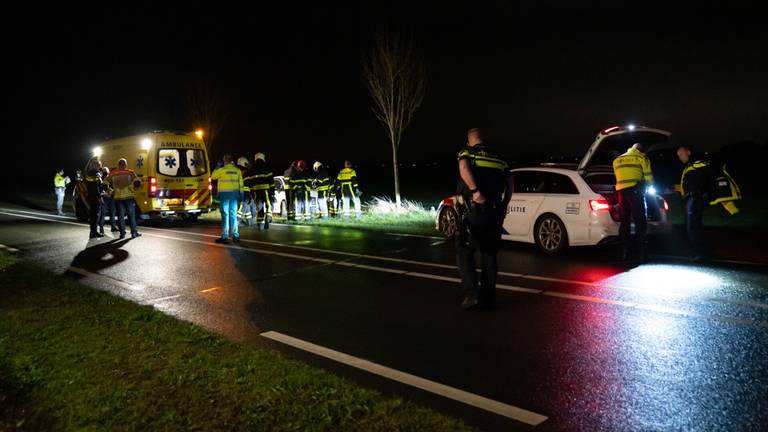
x: 694, y: 213
x: 94, y: 214
x: 107, y: 208
x: 123, y: 207
x: 479, y: 231
x: 632, y: 208
x: 263, y: 203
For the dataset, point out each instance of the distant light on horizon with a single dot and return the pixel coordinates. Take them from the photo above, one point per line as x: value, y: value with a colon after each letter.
x: 97, y: 151
x: 146, y: 143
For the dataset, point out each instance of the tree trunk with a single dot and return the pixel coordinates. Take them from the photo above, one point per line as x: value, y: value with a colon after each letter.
x: 396, y: 169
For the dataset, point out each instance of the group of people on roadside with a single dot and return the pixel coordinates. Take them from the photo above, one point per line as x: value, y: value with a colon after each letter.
x: 486, y: 186
x: 704, y: 182
x: 110, y: 192
x: 250, y: 186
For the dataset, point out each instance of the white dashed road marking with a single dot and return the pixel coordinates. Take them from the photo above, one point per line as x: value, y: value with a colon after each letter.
x: 490, y: 405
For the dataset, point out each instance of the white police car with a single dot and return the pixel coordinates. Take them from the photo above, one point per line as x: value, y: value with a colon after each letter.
x: 556, y: 206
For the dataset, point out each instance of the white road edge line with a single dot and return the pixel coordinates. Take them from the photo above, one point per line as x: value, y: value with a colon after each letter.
x: 159, y: 299
x: 424, y: 263
x: 8, y: 248
x: 490, y: 405
x: 588, y: 299
x: 416, y: 235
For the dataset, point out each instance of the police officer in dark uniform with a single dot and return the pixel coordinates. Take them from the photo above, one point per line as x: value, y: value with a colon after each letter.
x: 697, y: 178
x: 485, y: 186
x: 94, y: 187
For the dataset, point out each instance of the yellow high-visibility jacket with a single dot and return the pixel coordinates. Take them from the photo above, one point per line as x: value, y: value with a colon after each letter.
x: 347, y: 180
x: 631, y: 168
x: 230, y: 181
x: 59, y: 181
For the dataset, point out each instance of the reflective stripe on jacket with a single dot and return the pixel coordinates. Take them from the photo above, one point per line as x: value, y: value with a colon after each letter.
x: 631, y: 168
x: 719, y: 185
x: 260, y: 180
x: 322, y: 180
x: 347, y: 180
x: 479, y: 157
x: 229, y: 178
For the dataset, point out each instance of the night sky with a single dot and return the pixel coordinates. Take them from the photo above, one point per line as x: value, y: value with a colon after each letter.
x: 544, y: 80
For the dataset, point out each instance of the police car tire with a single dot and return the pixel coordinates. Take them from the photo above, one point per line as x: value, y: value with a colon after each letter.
x: 448, y: 222
x: 550, y: 234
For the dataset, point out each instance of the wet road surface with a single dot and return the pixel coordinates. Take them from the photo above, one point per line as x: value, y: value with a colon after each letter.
x: 576, y: 342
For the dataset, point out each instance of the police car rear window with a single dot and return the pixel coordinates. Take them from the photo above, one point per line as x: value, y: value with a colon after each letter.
x: 543, y: 182
x: 181, y: 162
x: 601, y: 183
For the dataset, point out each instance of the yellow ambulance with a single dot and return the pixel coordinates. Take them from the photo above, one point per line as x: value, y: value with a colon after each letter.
x: 173, y: 168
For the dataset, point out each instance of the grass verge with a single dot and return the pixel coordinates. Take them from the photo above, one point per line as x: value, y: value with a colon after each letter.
x: 72, y: 357
x: 753, y: 212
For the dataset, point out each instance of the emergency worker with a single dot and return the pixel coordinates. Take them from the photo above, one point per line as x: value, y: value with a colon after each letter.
x: 123, y: 181
x: 60, y: 182
x: 323, y: 185
x: 261, y: 181
x: 633, y: 175
x: 94, y: 187
x: 230, y: 191
x: 348, y: 189
x: 485, y: 187
x: 704, y: 182
x: 301, y: 182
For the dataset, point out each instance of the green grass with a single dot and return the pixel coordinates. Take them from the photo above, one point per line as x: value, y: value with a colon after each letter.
x: 410, y: 223
x: 421, y: 223
x: 753, y: 212
x: 75, y: 358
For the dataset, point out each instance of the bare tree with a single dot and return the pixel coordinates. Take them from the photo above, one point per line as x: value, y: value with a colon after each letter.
x: 207, y: 110
x: 397, y: 79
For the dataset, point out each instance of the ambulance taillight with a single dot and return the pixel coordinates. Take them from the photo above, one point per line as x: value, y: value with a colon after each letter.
x: 152, y: 186
x: 210, y: 184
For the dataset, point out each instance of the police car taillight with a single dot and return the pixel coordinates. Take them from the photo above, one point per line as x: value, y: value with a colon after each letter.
x: 666, y: 204
x: 610, y: 129
x: 152, y: 186
x: 598, y: 205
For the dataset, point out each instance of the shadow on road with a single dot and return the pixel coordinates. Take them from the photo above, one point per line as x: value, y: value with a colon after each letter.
x: 98, y: 256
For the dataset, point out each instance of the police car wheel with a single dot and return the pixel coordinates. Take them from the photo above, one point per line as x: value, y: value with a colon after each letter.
x: 448, y: 222
x: 550, y: 234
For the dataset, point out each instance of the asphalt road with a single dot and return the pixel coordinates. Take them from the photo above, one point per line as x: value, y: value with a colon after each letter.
x: 576, y: 342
